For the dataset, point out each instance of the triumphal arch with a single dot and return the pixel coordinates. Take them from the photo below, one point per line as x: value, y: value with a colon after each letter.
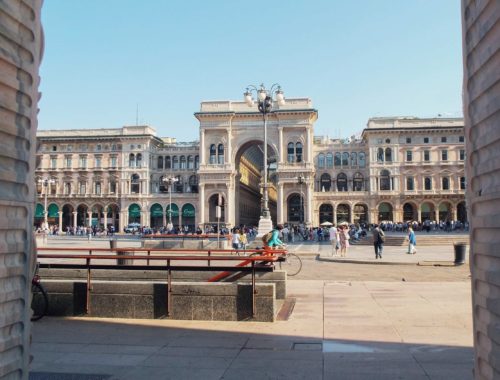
x: 231, y: 161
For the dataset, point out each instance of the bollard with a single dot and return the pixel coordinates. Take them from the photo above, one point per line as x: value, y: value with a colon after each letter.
x: 460, y: 249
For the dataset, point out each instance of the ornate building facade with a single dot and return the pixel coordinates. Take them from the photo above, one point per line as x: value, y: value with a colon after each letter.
x: 398, y: 169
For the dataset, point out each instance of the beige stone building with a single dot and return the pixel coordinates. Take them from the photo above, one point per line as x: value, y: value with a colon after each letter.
x: 398, y: 169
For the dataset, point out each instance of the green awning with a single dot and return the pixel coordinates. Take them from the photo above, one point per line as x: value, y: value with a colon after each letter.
x: 156, y: 210
x: 188, y: 210
x: 39, y: 211
x: 134, y: 210
x: 53, y: 211
x: 175, y: 210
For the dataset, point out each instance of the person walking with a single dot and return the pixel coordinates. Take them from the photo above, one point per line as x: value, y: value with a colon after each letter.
x: 275, y: 241
x: 378, y: 240
x: 236, y: 239
x: 412, y: 241
x: 344, y: 239
x: 334, y: 240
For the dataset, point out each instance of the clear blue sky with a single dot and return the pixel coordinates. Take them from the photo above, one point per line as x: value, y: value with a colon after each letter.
x: 354, y: 59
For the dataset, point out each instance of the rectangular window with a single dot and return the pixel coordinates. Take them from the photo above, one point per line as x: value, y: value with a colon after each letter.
x: 461, y: 138
x: 68, y: 162
x: 445, y: 183
x: 427, y: 155
x: 113, y: 162
x: 112, y: 187
x: 408, y: 140
x: 443, y: 139
x: 69, y: 148
x: 97, y: 188
x: 462, y: 154
x: 444, y: 155
x: 82, y: 188
x: 67, y: 188
x: 53, y: 162
x: 83, y: 162
x: 54, y: 148
x: 409, y: 156
x: 98, y: 162
x: 427, y: 183
x: 426, y: 140
x: 98, y: 147
x: 462, y: 183
x: 410, y: 183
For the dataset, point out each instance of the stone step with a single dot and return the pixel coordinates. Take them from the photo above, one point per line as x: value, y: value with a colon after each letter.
x: 422, y: 240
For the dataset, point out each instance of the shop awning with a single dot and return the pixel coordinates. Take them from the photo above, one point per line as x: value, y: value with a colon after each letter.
x: 188, y: 210
x: 156, y: 210
x: 175, y: 210
x: 134, y: 210
x: 53, y: 211
x: 39, y: 211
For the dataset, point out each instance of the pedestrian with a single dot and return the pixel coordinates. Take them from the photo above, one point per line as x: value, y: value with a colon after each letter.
x: 275, y: 240
x: 243, y: 239
x: 343, y: 239
x: 236, y: 239
x: 334, y: 240
x: 378, y: 240
x: 412, y: 242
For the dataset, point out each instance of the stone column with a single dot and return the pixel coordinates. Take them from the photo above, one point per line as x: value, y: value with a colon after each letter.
x: 202, y: 146
x: 280, y: 145
x: 280, y: 204
x: 75, y: 218
x: 20, y: 56
x: 89, y: 221
x: 308, y: 216
x: 60, y: 221
x: 201, y: 205
x: 105, y: 220
x: 123, y: 220
x: 335, y: 214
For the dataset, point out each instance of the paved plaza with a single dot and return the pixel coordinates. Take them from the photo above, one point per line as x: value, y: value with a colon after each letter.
x: 339, y: 329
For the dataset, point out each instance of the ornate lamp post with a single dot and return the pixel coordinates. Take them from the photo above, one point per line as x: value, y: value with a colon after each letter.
x: 45, y: 183
x: 170, y: 181
x: 265, y: 103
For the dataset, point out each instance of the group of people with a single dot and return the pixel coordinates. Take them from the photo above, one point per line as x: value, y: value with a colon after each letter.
x: 339, y: 238
x: 379, y: 240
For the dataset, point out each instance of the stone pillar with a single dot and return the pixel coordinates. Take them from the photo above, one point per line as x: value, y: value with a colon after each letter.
x: 89, y: 221
x: 105, y: 220
x: 60, y: 221
x: 201, y: 205
x: 308, y: 216
x: 202, y: 146
x: 123, y: 220
x: 335, y: 214
x: 75, y: 218
x: 281, y: 148
x: 280, y: 204
x: 20, y: 56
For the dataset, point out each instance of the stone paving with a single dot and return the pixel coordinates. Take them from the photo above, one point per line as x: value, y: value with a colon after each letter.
x: 337, y: 330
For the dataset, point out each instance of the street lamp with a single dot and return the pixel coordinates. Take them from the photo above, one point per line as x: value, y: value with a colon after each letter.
x: 45, y: 183
x: 301, y: 180
x: 170, y: 181
x: 265, y: 103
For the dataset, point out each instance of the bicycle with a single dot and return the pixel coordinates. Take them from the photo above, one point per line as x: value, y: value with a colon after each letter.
x: 40, y: 299
x: 290, y: 262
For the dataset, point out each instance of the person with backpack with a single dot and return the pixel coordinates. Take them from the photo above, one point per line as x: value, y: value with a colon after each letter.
x: 412, y: 242
x: 378, y: 241
x: 274, y: 240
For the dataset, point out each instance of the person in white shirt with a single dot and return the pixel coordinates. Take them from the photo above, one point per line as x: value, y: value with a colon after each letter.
x: 236, y: 239
x: 334, y: 240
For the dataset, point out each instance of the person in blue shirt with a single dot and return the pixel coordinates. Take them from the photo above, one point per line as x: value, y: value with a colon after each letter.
x: 275, y: 240
x: 412, y: 242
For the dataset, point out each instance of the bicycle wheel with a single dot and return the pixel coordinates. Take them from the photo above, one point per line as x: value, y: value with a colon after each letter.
x: 39, y: 302
x: 292, y: 264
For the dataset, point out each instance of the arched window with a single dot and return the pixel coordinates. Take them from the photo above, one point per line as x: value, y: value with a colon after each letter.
x: 138, y: 160
x: 135, y: 184
x: 321, y: 161
x: 168, y: 164
x: 329, y: 160
x: 326, y: 182
x: 446, y: 183
x: 296, y: 208
x: 345, y: 159
x: 358, y: 182
x: 325, y: 213
x: 163, y: 186
x: 183, y: 162
x: 342, y: 182
x: 179, y: 184
x: 175, y: 163
x: 354, y: 159
x: 298, y: 152
x: 388, y: 155
x: 193, y: 183
x: 428, y: 183
x: 361, y: 159
x: 385, y: 180
x: 196, y: 162
x: 190, y: 162
x: 291, y: 153
x: 213, y: 154
x: 380, y: 155
x: 131, y: 160
x: 160, y: 162
x: 220, y: 154
x: 338, y: 159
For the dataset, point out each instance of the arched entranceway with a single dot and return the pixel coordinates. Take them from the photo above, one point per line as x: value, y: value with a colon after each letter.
x: 213, y: 202
x: 82, y: 216
x: 39, y: 216
x: 462, y: 212
x: 134, y: 213
x: 343, y: 213
x: 385, y: 212
x: 98, y: 216
x: 249, y: 161
x: 113, y: 219
x: 360, y: 213
x: 427, y: 211
x: 410, y: 212
x: 188, y: 215
x: 445, y: 211
x: 295, y: 209
x: 172, y: 212
x: 67, y: 219
x: 156, y: 216
x: 325, y: 213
